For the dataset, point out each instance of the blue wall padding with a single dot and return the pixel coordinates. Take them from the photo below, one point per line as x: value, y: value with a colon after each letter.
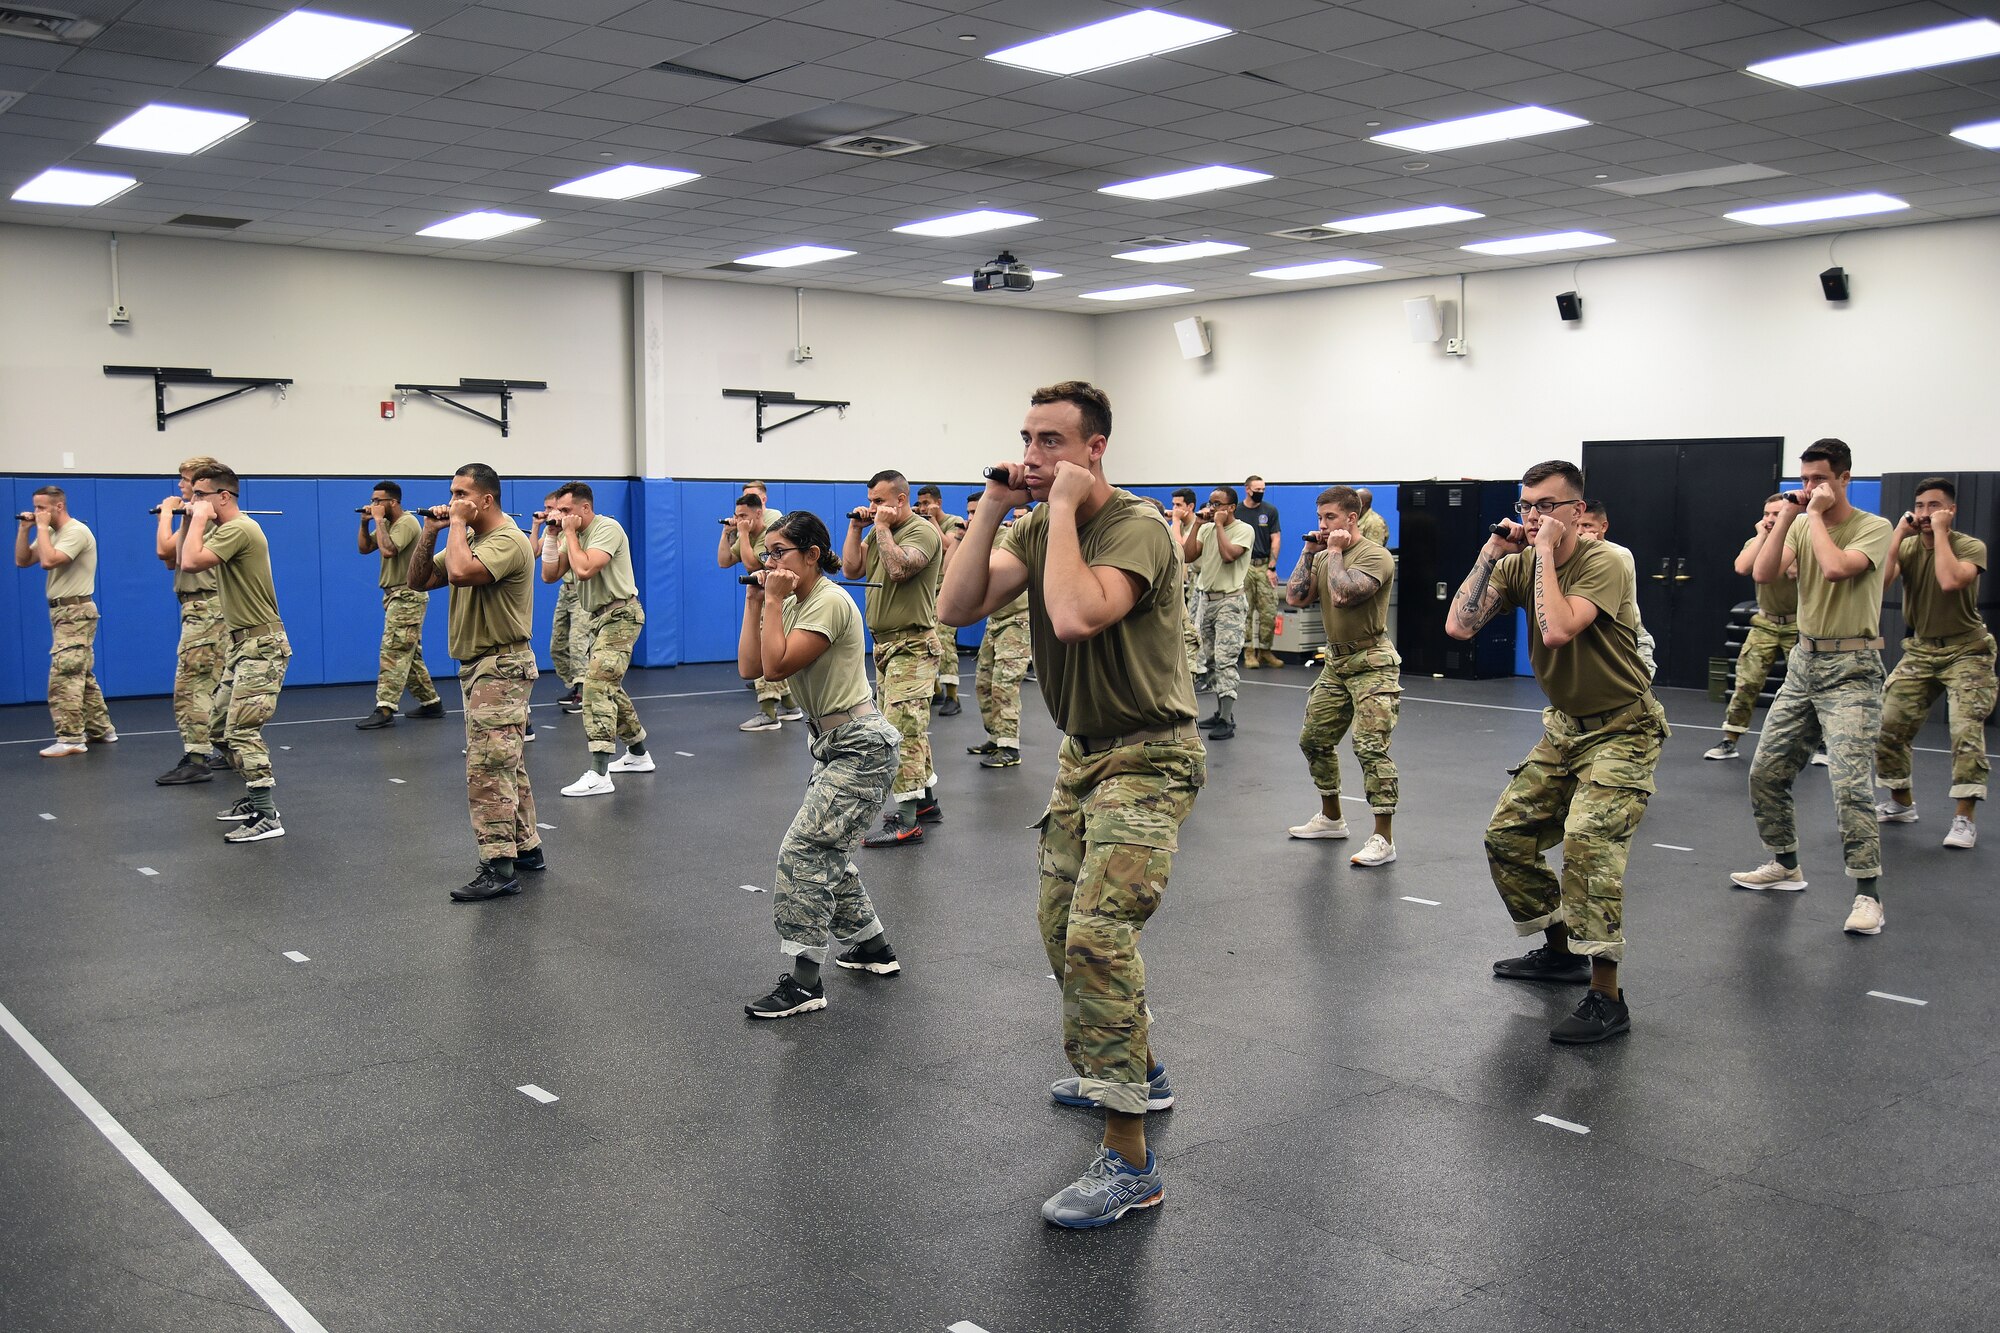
x: 656, y: 511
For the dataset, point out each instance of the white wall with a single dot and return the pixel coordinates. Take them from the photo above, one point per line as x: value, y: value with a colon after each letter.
x: 1731, y: 341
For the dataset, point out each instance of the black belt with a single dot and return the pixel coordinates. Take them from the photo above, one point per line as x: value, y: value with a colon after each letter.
x: 195, y: 596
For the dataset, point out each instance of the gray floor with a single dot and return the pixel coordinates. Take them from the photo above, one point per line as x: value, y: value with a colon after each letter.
x: 1356, y: 1144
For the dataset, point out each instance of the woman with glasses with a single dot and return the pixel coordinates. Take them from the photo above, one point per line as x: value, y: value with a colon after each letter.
x: 802, y: 628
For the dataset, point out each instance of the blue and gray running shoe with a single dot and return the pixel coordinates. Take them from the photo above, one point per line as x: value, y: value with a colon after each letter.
x: 1159, y: 1093
x: 1109, y: 1190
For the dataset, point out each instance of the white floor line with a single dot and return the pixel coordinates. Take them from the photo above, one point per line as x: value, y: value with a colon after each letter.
x: 1899, y: 999
x: 752, y: 888
x: 1569, y: 1125
x: 296, y: 956
x: 965, y: 1326
x: 148, y: 870
x: 1427, y: 902
x: 255, y: 1276
x: 48, y: 816
x: 685, y: 754
x: 545, y: 826
x: 1673, y: 847
x: 399, y: 782
x: 540, y: 1094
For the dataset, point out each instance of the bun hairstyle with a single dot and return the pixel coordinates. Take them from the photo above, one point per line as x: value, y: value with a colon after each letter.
x: 803, y: 528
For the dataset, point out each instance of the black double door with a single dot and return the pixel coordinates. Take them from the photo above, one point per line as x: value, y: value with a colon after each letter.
x: 1684, y: 508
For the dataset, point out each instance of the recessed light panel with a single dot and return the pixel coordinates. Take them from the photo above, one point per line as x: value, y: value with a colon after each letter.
x: 1409, y: 217
x: 626, y: 182
x: 1112, y: 42
x: 1985, y: 135
x: 481, y: 226
x: 1136, y: 293
x: 793, y: 256
x: 1167, y: 254
x: 308, y: 45
x: 1531, y: 245
x: 1173, y: 185
x: 59, y: 185
x: 1816, y: 210
x: 966, y: 224
x: 172, y: 129
x: 965, y: 280
x: 1492, y: 127
x: 1886, y: 55
x: 1329, y: 268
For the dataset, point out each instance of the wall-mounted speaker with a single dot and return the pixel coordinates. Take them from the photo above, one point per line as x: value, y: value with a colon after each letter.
x: 1569, y: 305
x: 1425, y: 321
x: 1193, y: 335
x: 1834, y: 283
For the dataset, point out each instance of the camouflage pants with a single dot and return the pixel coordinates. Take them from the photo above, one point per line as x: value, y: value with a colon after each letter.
x: 403, y: 649
x: 1962, y: 673
x: 569, y: 637
x: 1835, y: 698
x: 1108, y: 843
x: 1219, y: 616
x: 608, y: 715
x: 1362, y: 690
x: 1588, y: 791
x: 906, y: 672
x: 1004, y: 658
x: 248, y: 698
x: 773, y: 691
x: 819, y: 890
x: 496, y: 689
x: 1190, y: 636
x: 198, y: 671
x: 76, y: 704
x: 1764, y: 645
x: 1264, y: 608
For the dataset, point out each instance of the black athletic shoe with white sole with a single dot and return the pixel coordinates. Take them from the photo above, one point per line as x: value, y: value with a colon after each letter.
x: 788, y: 998
x: 873, y: 956
x: 257, y: 830
x: 1544, y: 964
x: 1598, y: 1017
x: 242, y: 812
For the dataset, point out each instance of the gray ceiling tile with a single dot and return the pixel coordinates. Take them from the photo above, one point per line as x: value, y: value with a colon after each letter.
x: 1332, y: 29
x: 563, y: 71
x: 524, y: 32
x: 501, y: 91
x: 435, y: 52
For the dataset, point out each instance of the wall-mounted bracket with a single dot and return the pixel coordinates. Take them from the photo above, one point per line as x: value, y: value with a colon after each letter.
x: 504, y: 388
x: 162, y: 376
x: 778, y: 397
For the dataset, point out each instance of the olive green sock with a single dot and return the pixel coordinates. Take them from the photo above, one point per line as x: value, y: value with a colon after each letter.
x: 769, y: 707
x: 600, y: 762
x: 261, y: 798
x: 502, y: 867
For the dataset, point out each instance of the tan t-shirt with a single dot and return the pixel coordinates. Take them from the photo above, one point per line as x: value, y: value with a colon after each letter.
x: 1776, y: 599
x: 490, y: 615
x: 838, y: 679
x: 1600, y: 669
x: 1212, y: 573
x: 78, y: 578
x: 199, y: 581
x: 1132, y: 676
x: 615, y: 579
x: 1930, y: 611
x: 243, y: 579
x: 404, y: 534
x: 1346, y: 624
x: 1849, y: 610
x: 1008, y: 614
x: 911, y: 604
x: 1375, y: 528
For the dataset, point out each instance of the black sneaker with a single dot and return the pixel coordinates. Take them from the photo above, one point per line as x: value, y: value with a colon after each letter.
x: 192, y: 768
x: 486, y: 884
x: 788, y: 998
x: 950, y: 708
x: 1222, y: 731
x: 985, y: 747
x: 375, y: 721
x: 433, y: 709
x: 534, y: 860
x: 1005, y: 756
x: 1544, y: 964
x: 873, y: 956
x: 572, y: 702
x: 218, y: 760
x: 1212, y: 720
x: 893, y: 834
x: 1598, y: 1017
x: 930, y: 812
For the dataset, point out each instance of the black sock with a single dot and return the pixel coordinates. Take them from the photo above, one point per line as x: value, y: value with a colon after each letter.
x: 502, y: 867
x: 637, y: 747
x: 875, y: 945
x: 1789, y: 860
x: 805, y: 971
x: 1869, y: 888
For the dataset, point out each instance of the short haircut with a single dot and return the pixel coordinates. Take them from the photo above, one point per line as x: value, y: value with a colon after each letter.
x: 1832, y: 452
x: 484, y: 478
x: 803, y: 529
x: 757, y: 486
x: 1555, y: 467
x: 1155, y: 503
x: 224, y: 478
x: 1229, y: 491
x: 972, y: 497
x: 552, y: 495
x: 1937, y: 484
x: 1187, y: 493
x: 892, y: 477
x: 1252, y: 477
x: 1091, y: 402
x: 927, y: 491
x: 1341, y: 497
x: 749, y: 500
x: 55, y: 493
x: 390, y: 489
x: 1778, y: 498
x: 578, y: 490
x: 190, y: 466
x: 1597, y: 507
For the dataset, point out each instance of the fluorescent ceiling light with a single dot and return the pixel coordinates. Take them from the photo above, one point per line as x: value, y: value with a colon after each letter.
x: 1136, y: 293
x: 965, y: 224
x: 1112, y: 42
x: 1197, y: 180
x: 1529, y: 245
x: 1329, y: 268
x: 172, y: 129
x: 481, y: 226
x: 1984, y: 135
x: 1886, y: 55
x: 1816, y: 210
x: 626, y: 182
x: 1492, y: 127
x: 1166, y: 254
x: 59, y: 185
x: 794, y: 256
x: 306, y: 45
x: 1409, y: 217
x: 965, y: 280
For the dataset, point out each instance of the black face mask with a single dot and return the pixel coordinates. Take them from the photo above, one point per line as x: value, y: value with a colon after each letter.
x: 1256, y: 497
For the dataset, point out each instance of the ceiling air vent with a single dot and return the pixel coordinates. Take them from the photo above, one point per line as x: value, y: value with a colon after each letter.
x: 46, y: 25
x: 207, y: 223
x: 1308, y: 234
x: 871, y: 145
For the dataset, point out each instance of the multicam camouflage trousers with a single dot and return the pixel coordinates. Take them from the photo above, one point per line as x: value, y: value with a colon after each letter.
x: 1264, y: 608
x: 608, y: 715
x: 569, y: 637
x: 906, y: 672
x: 1108, y: 843
x: 1219, y: 616
x: 403, y: 649
x: 496, y: 689
x: 1961, y: 669
x: 198, y: 671
x: 819, y: 889
x: 1362, y: 690
x: 773, y: 691
x: 1835, y: 698
x: 1762, y: 647
x: 247, y: 699
x: 1588, y: 791
x: 76, y: 704
x: 1004, y: 658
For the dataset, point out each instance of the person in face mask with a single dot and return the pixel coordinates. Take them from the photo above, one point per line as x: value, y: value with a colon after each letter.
x: 1263, y: 583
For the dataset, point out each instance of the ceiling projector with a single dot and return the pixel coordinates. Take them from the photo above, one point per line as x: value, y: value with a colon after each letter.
x: 1003, y: 273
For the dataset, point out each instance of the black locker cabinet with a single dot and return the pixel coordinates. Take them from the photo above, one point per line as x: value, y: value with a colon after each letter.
x: 1444, y: 523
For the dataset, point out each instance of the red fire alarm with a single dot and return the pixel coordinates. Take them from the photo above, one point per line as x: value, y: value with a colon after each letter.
x: 388, y: 411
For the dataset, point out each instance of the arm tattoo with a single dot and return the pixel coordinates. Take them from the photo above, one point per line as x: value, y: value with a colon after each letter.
x: 1477, y: 602
x: 902, y: 562
x: 1348, y: 586
x: 1541, y: 607
x: 1299, y: 588
x: 423, y: 572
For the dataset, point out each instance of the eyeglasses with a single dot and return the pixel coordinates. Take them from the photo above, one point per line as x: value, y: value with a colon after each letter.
x: 209, y: 495
x: 1542, y: 507
x: 774, y: 552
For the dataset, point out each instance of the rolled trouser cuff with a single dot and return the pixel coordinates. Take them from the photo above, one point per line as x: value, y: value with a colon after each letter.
x: 901, y: 796
x: 813, y: 953
x: 1776, y: 852
x: 1611, y: 951
x: 1864, y: 872
x: 1124, y: 1098
x: 1381, y: 809
x: 1539, y: 923
x: 866, y: 933
x: 1968, y: 791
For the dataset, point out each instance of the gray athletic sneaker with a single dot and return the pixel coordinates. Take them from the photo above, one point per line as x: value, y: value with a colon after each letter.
x: 1159, y: 1093
x: 1106, y: 1192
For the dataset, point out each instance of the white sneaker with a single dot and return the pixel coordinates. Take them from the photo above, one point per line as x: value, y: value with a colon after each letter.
x: 1319, y: 826
x: 1377, y: 851
x: 108, y: 738
x: 633, y: 763
x: 590, y: 784
x: 1867, y: 916
x: 759, y: 722
x: 1820, y: 760
x: 1893, y: 811
x: 63, y: 749
x: 791, y: 713
x: 1964, y: 834
x: 1770, y: 875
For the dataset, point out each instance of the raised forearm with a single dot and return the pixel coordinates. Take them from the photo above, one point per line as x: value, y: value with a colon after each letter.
x: 1075, y: 600
x: 850, y: 551
x: 1770, y: 560
x: 423, y: 574
x: 1476, y: 601
x: 749, y: 647
x: 1299, y: 589
x: 1348, y: 587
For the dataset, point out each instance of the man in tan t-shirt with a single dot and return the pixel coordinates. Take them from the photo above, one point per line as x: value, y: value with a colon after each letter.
x: 1587, y: 783
x: 198, y: 654
x: 930, y: 503
x: 66, y: 551
x: 1949, y: 651
x: 1219, y: 549
x: 388, y: 530
x: 1773, y: 631
x: 742, y: 543
x: 595, y: 548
